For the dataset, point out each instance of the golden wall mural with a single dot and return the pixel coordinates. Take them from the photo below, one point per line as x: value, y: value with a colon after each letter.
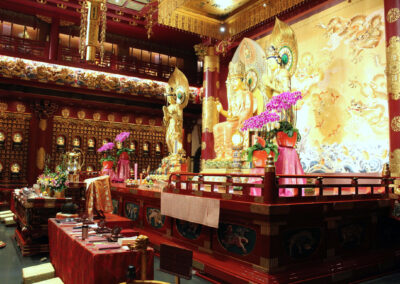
x: 343, y: 117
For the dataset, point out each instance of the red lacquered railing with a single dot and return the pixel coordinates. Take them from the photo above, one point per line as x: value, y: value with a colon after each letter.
x: 23, y: 47
x: 317, y: 188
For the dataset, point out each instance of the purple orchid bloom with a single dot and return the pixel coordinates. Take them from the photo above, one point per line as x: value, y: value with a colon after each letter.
x: 122, y: 136
x: 106, y: 147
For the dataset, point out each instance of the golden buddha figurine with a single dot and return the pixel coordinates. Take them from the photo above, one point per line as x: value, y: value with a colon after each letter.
x: 178, y: 98
x: 276, y: 78
x: 240, y: 108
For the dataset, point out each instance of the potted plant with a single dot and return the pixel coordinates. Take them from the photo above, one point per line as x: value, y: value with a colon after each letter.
x: 107, y: 160
x: 259, y: 152
x: 286, y: 134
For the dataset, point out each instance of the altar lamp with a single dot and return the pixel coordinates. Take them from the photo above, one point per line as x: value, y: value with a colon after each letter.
x: 237, y: 146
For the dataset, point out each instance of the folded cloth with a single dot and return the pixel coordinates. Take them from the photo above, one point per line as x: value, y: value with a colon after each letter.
x: 96, y: 239
x: 108, y: 246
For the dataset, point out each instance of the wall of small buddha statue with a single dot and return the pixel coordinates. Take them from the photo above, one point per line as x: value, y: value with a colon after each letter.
x: 69, y: 127
x: 14, y: 139
x: 88, y: 130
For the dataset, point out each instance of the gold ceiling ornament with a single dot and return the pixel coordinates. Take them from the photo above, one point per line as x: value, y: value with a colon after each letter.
x: 200, y: 50
x: 393, y: 67
x: 41, y: 1
x: 65, y: 112
x: 111, y: 117
x: 93, y: 16
x: 395, y: 124
x: 183, y: 15
x: 3, y: 108
x: 393, y: 15
x: 81, y: 114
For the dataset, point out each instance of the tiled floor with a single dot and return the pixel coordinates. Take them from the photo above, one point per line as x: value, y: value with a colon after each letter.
x: 12, y: 262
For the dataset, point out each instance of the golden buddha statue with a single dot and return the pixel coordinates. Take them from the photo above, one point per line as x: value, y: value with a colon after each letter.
x: 276, y: 78
x: 177, y: 97
x: 240, y: 108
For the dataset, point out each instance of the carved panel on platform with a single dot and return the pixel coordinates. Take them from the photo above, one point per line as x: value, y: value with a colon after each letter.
x: 14, y: 133
x: 88, y: 135
x: 301, y: 243
x: 132, y: 210
x: 236, y: 238
x: 154, y: 217
x: 188, y: 230
x: 115, y: 206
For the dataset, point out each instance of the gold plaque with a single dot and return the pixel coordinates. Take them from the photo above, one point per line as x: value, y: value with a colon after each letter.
x: 81, y: 114
x: 65, y: 113
x: 96, y: 116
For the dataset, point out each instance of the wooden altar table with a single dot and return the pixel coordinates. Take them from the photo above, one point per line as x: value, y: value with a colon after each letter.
x: 76, y: 262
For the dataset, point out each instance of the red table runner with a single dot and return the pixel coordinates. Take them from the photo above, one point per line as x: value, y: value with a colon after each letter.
x: 76, y: 262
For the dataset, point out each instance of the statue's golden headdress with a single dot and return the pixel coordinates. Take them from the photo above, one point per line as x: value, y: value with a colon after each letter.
x: 236, y: 70
x: 283, y: 40
x: 178, y: 85
x: 273, y: 53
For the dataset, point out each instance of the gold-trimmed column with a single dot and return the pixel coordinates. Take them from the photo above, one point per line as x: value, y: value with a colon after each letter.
x: 210, y: 114
x: 392, y: 29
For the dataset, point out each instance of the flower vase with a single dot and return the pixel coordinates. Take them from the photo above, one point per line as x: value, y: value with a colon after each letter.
x: 59, y: 194
x: 123, y: 171
x: 107, y: 165
x: 284, y: 140
x: 260, y: 158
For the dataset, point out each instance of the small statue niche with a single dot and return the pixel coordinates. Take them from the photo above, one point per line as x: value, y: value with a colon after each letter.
x: 146, y: 149
x: 15, y: 170
x: 17, y: 141
x: 133, y: 146
x: 158, y: 149
x: 91, y: 143
x: 2, y: 139
x: 76, y: 142
x: 60, y: 143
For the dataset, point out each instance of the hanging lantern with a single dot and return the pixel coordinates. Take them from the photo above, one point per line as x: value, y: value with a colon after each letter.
x: 93, y: 17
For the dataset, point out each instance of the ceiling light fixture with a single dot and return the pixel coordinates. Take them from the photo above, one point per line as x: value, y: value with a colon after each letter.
x: 223, y: 4
x: 222, y: 29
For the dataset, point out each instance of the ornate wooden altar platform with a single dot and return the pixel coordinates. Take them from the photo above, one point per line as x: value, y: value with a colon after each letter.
x: 336, y: 232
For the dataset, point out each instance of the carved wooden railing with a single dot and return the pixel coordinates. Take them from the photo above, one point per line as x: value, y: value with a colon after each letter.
x: 316, y: 188
x: 23, y: 47
x: 126, y: 64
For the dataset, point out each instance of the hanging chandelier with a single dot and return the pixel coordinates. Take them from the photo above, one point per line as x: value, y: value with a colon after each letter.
x: 93, y: 17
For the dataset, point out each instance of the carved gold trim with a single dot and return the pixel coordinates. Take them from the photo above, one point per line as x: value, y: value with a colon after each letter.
x: 395, y: 123
x: 111, y: 117
x: 81, y: 114
x: 125, y: 119
x: 211, y: 63
x: 65, y: 113
x: 393, y: 67
x: 43, y: 124
x: 96, y: 116
x: 180, y: 17
x: 41, y: 153
x: 21, y: 108
x: 210, y: 115
x: 394, y: 162
x: 393, y: 15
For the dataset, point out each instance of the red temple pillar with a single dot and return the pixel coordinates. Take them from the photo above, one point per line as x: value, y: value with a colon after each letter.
x: 54, y: 38
x: 41, y: 131
x: 392, y: 28
x: 210, y: 114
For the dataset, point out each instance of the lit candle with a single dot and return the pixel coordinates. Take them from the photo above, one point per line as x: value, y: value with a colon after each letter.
x: 135, y: 171
x: 176, y: 147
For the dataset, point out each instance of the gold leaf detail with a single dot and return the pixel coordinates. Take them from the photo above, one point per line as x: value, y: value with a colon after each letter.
x: 393, y: 15
x: 393, y: 67
x: 395, y: 123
